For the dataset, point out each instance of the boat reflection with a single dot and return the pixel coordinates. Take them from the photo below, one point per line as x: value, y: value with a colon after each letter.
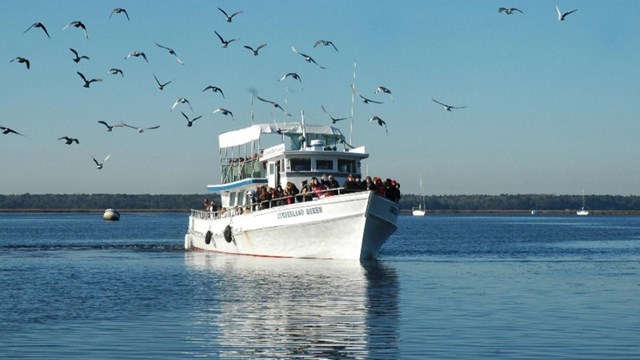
x: 283, y: 308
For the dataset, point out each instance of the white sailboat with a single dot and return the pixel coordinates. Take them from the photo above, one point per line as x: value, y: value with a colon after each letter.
x: 420, y: 210
x: 582, y: 211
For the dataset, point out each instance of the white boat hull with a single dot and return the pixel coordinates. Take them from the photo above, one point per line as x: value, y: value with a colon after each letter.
x: 349, y: 226
x: 582, y: 212
x: 418, y: 212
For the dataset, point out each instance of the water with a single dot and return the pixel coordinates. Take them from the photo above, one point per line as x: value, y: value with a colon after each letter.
x: 75, y: 287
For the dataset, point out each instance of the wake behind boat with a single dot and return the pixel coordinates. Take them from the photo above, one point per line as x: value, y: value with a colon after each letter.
x: 336, y: 223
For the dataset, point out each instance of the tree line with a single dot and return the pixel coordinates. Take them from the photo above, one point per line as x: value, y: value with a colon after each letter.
x: 450, y: 203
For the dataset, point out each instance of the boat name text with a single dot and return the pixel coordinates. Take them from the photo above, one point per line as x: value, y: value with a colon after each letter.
x: 299, y: 212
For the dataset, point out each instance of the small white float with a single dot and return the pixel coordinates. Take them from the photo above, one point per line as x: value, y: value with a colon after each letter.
x: 111, y: 215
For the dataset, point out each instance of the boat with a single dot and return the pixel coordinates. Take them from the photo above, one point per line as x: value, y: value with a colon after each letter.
x: 339, y: 223
x: 421, y: 209
x: 582, y: 211
x: 111, y: 215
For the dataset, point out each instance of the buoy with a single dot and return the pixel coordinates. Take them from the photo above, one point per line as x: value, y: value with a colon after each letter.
x: 111, y: 215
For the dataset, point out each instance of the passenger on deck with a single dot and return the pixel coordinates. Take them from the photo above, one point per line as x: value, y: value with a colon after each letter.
x: 324, y: 180
x: 264, y: 197
x: 368, y: 184
x: 290, y: 191
x: 333, y: 183
x: 317, y: 187
x: 349, y: 184
x: 305, y: 191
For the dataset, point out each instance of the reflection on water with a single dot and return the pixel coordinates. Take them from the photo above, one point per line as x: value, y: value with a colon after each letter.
x: 283, y: 308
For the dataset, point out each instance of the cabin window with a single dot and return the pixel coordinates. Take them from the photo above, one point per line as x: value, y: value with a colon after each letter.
x: 347, y: 166
x: 324, y: 164
x: 272, y: 168
x: 300, y: 164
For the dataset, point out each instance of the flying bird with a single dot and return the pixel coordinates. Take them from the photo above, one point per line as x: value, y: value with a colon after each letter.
x: 214, y: 89
x: 140, y: 129
x: 171, y: 51
x: 293, y: 76
x: 99, y: 164
x: 255, y: 52
x: 190, y: 122
x: 343, y: 141
x: 109, y: 127
x: 87, y: 83
x: 333, y: 120
x: 119, y: 11
x: 224, y: 42
x: 40, y: 25
x: 448, y: 107
x: 224, y: 112
x: 69, y: 140
x: 181, y: 101
x: 367, y: 101
x: 380, y: 122
x: 77, y: 57
x: 137, y: 54
x: 161, y: 85
x: 307, y: 58
x: 275, y: 105
x: 325, y: 43
x: 22, y: 60
x: 509, y: 11
x: 382, y: 89
x: 230, y: 18
x: 562, y: 15
x: 115, y: 71
x: 79, y: 25
x: 6, y: 130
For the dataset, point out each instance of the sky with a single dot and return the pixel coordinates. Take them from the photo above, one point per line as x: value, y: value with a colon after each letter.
x: 550, y: 106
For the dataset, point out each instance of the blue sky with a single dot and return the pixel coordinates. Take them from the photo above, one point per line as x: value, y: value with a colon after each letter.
x: 551, y: 106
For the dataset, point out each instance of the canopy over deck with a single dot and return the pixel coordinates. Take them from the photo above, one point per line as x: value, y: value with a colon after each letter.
x: 253, y: 133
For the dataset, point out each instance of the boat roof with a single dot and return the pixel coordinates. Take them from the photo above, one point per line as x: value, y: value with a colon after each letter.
x: 253, y: 132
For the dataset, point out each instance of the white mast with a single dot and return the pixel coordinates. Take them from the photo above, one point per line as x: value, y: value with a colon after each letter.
x: 353, y: 99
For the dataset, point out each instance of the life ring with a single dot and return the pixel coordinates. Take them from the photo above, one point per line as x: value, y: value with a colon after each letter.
x: 228, y: 235
x: 207, y: 237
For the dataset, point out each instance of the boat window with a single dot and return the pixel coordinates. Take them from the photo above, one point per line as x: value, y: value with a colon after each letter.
x: 324, y: 164
x: 272, y: 168
x: 347, y: 166
x: 300, y: 164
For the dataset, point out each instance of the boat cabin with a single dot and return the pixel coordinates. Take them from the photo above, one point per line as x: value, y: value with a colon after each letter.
x: 294, y: 152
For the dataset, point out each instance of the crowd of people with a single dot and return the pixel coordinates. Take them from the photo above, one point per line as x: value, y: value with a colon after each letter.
x: 265, y: 197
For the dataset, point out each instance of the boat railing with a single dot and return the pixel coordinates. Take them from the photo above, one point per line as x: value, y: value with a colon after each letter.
x: 271, y: 203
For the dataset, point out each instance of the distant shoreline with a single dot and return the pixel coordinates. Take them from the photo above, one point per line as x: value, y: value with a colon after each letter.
x: 402, y: 212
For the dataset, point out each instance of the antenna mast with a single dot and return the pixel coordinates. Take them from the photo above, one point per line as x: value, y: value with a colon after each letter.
x: 353, y: 99
x: 251, y: 107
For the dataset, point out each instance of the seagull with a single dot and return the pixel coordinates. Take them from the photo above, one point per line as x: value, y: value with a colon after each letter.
x: 79, y: 25
x: 333, y: 120
x: 6, y: 130
x: 23, y: 61
x: 160, y: 85
x: 181, y: 101
x: 380, y: 122
x: 115, y: 71
x: 224, y: 112
x: 343, y: 141
x: 87, y: 83
x: 325, y: 43
x: 41, y: 26
x: 230, y: 18
x: 69, y: 140
x: 78, y: 57
x: 99, y: 164
x: 140, y: 129
x: 382, y: 89
x: 214, y: 89
x: 224, y: 42
x: 255, y: 52
x: 275, y: 105
x: 118, y: 11
x: 137, y: 54
x: 509, y: 11
x: 366, y: 101
x: 562, y: 15
x: 109, y: 127
x: 190, y: 122
x: 292, y: 75
x: 171, y: 51
x: 307, y: 58
x: 448, y: 107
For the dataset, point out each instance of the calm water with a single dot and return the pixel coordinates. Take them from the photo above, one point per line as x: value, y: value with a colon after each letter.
x: 76, y: 287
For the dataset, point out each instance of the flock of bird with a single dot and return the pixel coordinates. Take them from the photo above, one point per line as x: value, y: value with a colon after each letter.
x: 225, y: 42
